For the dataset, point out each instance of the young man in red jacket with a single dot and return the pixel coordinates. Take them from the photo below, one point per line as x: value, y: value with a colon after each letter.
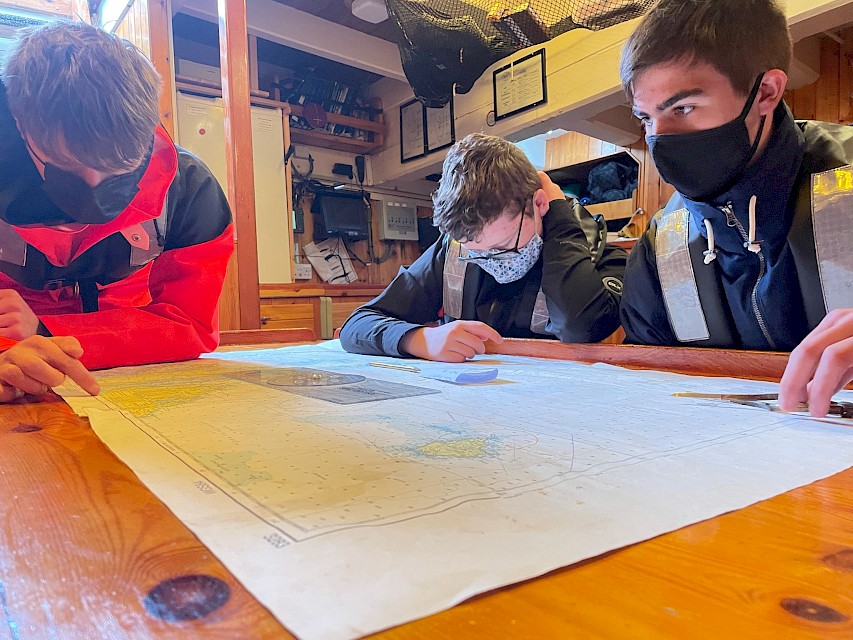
x: 108, y: 232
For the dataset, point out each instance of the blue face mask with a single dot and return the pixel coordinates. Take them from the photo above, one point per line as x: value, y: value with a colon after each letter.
x: 511, y: 267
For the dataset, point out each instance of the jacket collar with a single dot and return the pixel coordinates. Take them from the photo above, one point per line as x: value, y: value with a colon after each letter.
x: 61, y: 247
x: 771, y: 178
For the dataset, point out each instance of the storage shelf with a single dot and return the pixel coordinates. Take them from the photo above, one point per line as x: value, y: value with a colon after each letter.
x: 311, y: 137
x: 613, y: 210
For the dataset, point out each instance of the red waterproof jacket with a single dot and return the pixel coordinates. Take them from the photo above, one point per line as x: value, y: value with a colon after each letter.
x: 165, y: 310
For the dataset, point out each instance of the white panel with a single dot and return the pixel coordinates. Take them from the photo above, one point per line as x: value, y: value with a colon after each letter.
x: 201, y: 132
x: 272, y: 217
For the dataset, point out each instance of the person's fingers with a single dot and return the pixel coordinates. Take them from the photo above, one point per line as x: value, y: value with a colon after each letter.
x: 9, y: 318
x: 9, y: 393
x: 470, y: 340
x: 805, y: 359
x: 69, y: 345
x: 482, y: 331
x: 14, y: 376
x: 462, y: 349
x: 56, y: 354
x: 9, y: 306
x: 831, y: 374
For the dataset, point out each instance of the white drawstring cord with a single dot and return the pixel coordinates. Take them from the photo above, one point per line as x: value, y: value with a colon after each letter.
x: 711, y: 253
x: 751, y: 244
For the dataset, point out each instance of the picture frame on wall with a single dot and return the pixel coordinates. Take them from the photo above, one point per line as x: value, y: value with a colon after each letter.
x: 424, y: 130
x: 440, y: 127
x: 412, y: 130
x: 520, y: 85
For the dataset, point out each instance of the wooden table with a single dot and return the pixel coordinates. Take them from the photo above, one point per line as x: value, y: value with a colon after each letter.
x: 88, y: 552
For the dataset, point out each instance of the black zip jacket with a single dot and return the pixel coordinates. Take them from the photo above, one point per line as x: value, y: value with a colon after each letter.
x: 583, y: 297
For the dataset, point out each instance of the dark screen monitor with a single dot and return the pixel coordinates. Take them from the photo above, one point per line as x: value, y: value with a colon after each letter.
x: 340, y: 214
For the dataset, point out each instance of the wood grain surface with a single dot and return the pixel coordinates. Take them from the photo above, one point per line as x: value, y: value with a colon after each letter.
x: 86, y: 547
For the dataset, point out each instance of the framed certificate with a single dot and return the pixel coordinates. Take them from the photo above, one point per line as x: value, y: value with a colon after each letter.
x: 520, y: 85
x: 440, y: 130
x: 412, y: 130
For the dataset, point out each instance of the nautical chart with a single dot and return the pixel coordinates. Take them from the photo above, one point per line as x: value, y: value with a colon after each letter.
x: 350, y: 498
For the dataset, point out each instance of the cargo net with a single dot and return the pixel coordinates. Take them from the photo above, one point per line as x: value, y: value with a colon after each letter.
x: 447, y: 42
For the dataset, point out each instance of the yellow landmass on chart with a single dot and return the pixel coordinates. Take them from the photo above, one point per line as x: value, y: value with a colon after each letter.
x: 145, y: 401
x: 143, y: 391
x: 466, y: 448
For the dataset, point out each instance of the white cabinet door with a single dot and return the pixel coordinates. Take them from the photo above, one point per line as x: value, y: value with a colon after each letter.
x: 201, y: 132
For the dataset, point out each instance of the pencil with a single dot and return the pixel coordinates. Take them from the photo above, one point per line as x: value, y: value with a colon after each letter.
x: 401, y: 367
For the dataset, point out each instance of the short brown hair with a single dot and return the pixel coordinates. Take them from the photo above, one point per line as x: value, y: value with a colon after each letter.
x: 83, y: 94
x: 483, y: 176
x: 739, y: 38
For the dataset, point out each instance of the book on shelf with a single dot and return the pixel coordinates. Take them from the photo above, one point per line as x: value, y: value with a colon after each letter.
x: 334, y: 97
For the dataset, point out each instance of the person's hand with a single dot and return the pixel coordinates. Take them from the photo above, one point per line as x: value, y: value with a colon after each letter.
x: 38, y: 363
x: 820, y: 366
x: 452, y: 342
x: 17, y: 320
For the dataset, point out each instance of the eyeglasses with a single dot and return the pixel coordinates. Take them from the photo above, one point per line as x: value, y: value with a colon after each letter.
x: 497, y: 254
x: 32, y: 151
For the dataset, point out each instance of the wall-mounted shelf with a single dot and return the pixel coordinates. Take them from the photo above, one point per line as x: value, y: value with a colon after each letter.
x: 309, y: 137
x: 578, y: 173
x: 614, y: 210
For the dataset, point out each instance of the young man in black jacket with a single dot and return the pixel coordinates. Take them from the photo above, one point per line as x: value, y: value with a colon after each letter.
x: 514, y: 261
x: 751, y: 252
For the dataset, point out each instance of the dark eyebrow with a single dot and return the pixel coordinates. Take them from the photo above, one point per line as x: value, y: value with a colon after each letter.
x: 678, y: 97
x: 666, y: 104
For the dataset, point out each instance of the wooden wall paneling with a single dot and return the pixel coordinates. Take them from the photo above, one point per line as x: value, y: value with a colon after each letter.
x: 806, y: 102
x: 135, y: 27
x: 829, y: 98
x: 229, y: 301
x: 234, y: 57
x: 845, y: 78
x: 828, y: 81
x: 160, y: 25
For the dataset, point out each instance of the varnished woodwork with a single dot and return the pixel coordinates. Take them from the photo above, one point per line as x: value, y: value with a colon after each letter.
x: 234, y: 56
x: 613, y: 210
x: 266, y: 336
x: 830, y: 98
x: 85, y: 542
x: 159, y: 22
x: 761, y: 365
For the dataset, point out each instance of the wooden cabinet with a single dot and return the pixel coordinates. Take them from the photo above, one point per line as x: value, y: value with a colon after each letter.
x: 578, y: 173
x: 322, y: 308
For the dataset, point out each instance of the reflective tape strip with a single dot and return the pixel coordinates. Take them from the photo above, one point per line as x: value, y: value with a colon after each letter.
x: 141, y: 256
x: 677, y: 280
x: 540, y: 317
x: 832, y: 219
x: 13, y: 248
x: 453, y: 281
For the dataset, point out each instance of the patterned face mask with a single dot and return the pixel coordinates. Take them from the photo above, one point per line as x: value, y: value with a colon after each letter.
x: 512, y: 267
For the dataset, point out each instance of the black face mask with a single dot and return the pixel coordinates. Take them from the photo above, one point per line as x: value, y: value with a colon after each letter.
x: 91, y: 205
x: 702, y: 165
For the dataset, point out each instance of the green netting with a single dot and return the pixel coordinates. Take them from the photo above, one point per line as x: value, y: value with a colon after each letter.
x: 447, y: 42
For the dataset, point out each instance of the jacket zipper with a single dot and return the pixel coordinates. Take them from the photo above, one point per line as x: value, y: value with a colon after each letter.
x: 732, y: 221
